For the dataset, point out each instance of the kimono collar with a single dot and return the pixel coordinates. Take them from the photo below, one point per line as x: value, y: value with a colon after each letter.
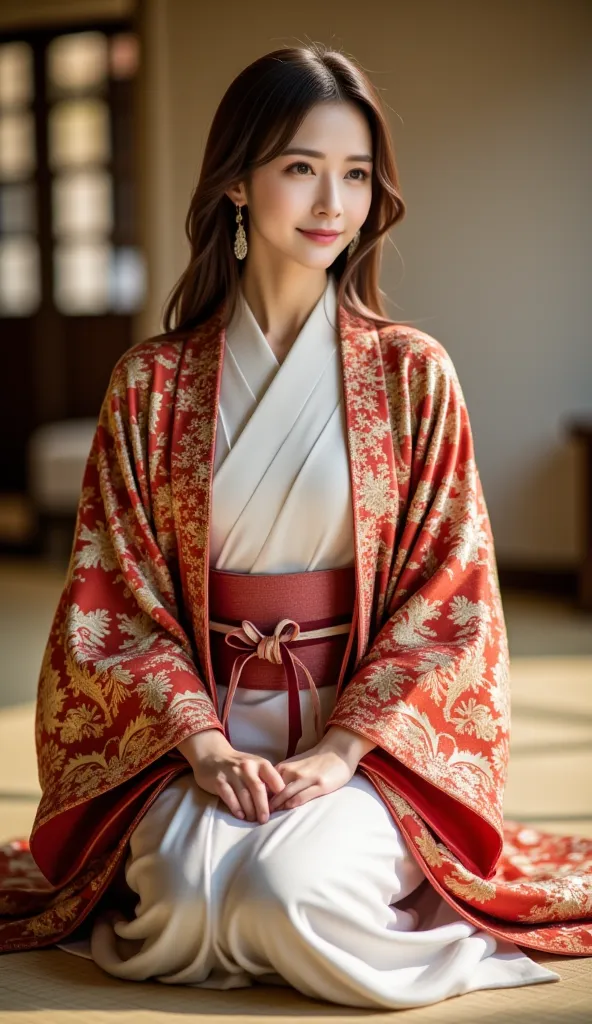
x: 247, y: 346
x: 250, y: 366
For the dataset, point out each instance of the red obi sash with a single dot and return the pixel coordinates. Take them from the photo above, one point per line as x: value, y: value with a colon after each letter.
x: 264, y: 628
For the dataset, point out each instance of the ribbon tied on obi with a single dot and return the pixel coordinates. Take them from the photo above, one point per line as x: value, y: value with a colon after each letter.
x: 275, y: 650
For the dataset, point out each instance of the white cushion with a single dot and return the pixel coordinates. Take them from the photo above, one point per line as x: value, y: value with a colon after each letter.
x: 57, y: 455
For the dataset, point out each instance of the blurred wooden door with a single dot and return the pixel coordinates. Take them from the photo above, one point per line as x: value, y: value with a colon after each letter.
x: 71, y: 272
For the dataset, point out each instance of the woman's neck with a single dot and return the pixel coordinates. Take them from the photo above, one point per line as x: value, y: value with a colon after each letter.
x: 281, y: 312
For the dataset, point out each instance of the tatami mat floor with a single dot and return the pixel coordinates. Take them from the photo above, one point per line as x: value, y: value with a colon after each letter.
x: 549, y: 785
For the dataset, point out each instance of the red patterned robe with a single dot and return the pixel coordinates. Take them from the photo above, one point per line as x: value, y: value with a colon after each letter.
x: 127, y: 672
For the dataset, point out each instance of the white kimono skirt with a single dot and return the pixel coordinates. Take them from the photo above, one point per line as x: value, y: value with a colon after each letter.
x: 309, y: 899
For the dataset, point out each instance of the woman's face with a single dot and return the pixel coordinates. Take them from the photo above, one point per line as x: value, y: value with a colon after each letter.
x: 298, y: 191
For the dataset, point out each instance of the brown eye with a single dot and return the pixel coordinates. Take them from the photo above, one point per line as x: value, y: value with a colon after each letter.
x: 300, y: 164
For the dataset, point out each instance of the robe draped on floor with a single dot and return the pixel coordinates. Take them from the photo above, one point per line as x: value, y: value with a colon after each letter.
x: 127, y: 672
x: 311, y: 897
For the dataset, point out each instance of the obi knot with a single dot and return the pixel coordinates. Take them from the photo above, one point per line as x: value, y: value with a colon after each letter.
x: 266, y: 647
x: 273, y: 648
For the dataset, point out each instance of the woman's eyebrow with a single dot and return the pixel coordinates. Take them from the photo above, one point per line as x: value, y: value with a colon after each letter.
x: 364, y: 157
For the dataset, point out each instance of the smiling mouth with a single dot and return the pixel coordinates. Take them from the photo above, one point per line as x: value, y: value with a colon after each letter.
x: 321, y: 234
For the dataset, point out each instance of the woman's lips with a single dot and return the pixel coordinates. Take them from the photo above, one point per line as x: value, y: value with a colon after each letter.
x: 323, y: 239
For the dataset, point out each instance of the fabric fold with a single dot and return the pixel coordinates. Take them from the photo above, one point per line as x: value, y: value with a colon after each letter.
x: 283, y: 453
x: 127, y: 673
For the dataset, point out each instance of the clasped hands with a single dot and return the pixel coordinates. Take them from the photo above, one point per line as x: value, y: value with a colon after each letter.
x: 246, y: 781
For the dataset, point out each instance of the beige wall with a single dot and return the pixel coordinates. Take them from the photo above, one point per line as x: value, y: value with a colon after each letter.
x: 490, y: 107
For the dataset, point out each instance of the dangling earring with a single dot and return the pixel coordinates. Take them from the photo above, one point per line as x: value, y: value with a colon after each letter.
x: 240, y: 239
x: 353, y: 245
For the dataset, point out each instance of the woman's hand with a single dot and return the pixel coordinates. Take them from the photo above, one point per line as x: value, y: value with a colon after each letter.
x: 311, y: 774
x: 238, y: 778
x: 324, y: 768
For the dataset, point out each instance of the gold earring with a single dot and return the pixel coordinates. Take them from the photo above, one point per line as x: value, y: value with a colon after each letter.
x: 240, y: 239
x: 353, y: 245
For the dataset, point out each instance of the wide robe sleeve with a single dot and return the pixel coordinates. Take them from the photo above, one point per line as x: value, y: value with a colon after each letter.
x: 119, y: 685
x: 431, y: 690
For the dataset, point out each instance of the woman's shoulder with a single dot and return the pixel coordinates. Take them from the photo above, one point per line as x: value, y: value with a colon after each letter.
x: 136, y: 366
x: 403, y: 339
x: 402, y: 344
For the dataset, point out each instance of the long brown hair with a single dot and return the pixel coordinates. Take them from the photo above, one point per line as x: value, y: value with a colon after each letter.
x: 257, y: 117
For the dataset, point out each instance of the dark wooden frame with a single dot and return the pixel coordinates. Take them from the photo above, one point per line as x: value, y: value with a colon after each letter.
x: 57, y: 366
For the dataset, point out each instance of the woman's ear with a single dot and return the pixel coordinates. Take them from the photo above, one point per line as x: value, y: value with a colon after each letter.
x: 236, y: 194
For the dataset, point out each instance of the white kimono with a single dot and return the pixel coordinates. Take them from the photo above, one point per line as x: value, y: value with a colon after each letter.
x: 312, y: 897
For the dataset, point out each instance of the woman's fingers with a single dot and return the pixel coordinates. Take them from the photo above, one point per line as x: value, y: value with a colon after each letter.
x: 243, y: 786
x: 304, y: 796
x: 237, y: 798
x: 246, y: 800
x: 301, y: 797
x: 257, y: 790
x: 271, y: 776
x: 290, y: 791
x: 231, y: 800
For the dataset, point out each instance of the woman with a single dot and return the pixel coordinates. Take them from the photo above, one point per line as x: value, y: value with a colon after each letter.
x: 273, y: 718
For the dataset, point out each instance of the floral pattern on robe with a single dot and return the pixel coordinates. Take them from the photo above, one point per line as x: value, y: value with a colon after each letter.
x: 127, y: 673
